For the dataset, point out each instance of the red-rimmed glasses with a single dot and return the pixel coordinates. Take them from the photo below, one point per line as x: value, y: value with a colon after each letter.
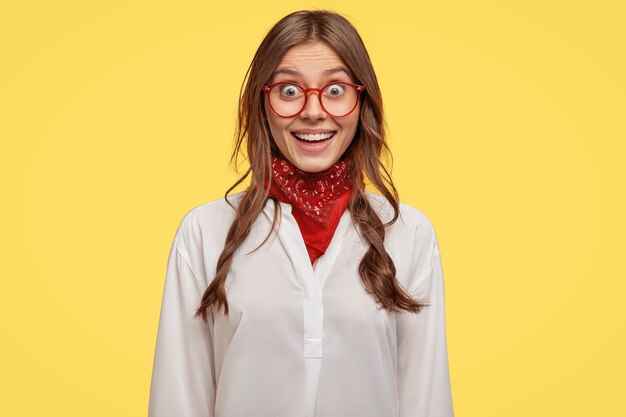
x: 338, y: 99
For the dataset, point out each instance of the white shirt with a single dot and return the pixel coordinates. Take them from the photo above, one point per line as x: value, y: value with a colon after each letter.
x: 299, y: 341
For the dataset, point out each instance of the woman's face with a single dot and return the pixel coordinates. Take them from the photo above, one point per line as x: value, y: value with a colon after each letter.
x: 307, y: 65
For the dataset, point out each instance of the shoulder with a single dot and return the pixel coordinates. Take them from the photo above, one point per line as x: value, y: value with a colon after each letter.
x: 201, y: 233
x: 207, y: 223
x: 412, y: 240
x: 409, y: 217
x: 215, y: 209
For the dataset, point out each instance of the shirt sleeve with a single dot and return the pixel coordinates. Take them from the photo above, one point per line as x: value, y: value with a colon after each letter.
x: 423, y: 375
x: 183, y: 379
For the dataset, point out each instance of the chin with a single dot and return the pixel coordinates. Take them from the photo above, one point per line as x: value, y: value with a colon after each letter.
x: 315, y: 166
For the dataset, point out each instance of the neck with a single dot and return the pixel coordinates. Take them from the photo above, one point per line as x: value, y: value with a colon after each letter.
x: 318, y: 199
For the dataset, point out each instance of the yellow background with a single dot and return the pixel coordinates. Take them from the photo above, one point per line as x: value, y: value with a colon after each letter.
x: 507, y: 126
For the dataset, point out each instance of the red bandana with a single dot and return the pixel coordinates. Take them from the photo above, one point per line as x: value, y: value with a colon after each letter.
x: 318, y: 199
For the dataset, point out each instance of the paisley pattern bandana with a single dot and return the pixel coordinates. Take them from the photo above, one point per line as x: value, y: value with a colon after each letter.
x: 318, y: 199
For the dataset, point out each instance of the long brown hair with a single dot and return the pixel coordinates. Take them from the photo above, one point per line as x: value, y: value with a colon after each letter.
x: 376, y: 268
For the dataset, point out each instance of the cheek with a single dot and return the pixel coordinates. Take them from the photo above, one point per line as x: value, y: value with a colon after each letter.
x: 351, y: 123
x: 279, y: 128
x: 277, y: 124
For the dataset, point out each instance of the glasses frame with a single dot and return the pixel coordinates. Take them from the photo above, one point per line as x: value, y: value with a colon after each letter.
x: 267, y: 89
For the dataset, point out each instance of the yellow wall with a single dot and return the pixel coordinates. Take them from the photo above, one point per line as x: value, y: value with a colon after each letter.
x: 507, y: 126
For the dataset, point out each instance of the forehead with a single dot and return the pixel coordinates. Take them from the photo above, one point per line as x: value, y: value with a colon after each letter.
x: 311, y: 52
x: 311, y: 60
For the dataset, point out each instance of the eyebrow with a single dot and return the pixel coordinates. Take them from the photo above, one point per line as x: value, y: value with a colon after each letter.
x: 296, y: 73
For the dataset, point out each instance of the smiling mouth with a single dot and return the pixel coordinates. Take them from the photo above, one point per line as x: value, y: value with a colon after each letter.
x: 316, y: 138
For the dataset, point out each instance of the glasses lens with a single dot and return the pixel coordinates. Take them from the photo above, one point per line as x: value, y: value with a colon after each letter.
x: 338, y: 99
x: 286, y: 99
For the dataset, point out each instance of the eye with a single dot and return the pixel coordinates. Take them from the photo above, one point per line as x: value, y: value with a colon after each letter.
x: 336, y: 90
x: 288, y: 90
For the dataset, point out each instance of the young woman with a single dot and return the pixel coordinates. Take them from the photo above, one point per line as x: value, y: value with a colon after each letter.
x: 306, y: 294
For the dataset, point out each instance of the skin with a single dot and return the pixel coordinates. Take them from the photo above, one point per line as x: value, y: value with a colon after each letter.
x: 310, y: 61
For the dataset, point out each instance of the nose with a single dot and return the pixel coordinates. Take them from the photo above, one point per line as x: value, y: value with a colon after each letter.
x: 313, y: 109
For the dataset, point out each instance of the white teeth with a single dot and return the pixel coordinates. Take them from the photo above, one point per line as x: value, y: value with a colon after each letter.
x: 315, y: 137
